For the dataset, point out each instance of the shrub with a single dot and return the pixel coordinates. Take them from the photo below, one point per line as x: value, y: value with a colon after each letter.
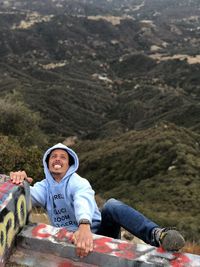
x: 19, y: 122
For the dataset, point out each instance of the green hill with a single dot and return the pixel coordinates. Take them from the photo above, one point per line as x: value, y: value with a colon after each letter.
x: 155, y: 170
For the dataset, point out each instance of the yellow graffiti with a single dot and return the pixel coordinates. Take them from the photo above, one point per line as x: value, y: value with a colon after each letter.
x: 2, y: 238
x: 21, y: 210
x: 9, y: 221
x: 8, y: 227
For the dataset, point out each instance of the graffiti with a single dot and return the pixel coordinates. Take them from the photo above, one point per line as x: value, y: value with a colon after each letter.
x: 21, y: 210
x: 40, y: 231
x: 125, y: 249
x: 102, y: 244
x: 13, y: 213
x: 159, y: 257
x: 180, y: 261
x: 10, y: 224
x: 5, y: 188
x: 14, y: 207
x: 176, y: 259
x: 114, y: 247
x: 47, y: 231
x: 117, y: 248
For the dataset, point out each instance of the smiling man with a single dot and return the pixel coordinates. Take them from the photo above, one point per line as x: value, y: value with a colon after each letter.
x: 70, y: 203
x: 67, y: 197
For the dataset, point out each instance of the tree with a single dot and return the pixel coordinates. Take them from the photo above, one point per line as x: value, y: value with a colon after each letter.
x: 19, y: 122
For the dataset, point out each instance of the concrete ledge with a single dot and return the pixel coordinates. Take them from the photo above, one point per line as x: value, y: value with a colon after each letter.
x: 43, y: 245
x: 14, y: 210
x: 25, y: 257
x: 107, y: 251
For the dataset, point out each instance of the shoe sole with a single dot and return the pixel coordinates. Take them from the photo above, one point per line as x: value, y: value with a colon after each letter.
x: 172, y: 241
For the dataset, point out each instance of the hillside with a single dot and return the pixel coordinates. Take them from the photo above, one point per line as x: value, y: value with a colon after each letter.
x: 156, y: 171
x: 78, y: 63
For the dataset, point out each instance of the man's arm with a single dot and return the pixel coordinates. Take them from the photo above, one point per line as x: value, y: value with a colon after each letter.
x: 83, y: 240
x: 84, y: 208
x: 38, y: 191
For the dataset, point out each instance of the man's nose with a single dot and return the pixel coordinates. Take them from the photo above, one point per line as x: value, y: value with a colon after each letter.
x: 57, y: 158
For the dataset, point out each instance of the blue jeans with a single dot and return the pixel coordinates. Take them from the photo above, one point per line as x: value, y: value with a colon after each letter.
x: 116, y: 214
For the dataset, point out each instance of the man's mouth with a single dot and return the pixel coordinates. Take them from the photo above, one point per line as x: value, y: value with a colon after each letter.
x: 57, y: 166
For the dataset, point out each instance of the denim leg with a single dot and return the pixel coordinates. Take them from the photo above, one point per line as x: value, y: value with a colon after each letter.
x: 109, y: 226
x: 116, y: 214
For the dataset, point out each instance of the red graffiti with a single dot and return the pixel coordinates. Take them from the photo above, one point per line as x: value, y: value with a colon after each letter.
x: 5, y: 188
x: 181, y: 260
x: 106, y: 245
x: 63, y: 234
x: 37, y: 231
x: 101, y: 245
x: 125, y: 251
x: 119, y: 249
x: 43, y: 231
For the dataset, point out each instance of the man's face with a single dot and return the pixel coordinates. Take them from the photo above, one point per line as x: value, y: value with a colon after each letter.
x: 58, y: 162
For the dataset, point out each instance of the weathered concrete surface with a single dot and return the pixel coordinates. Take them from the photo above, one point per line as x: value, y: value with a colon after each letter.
x: 43, y: 245
x: 24, y: 257
x: 107, y: 251
x: 14, y: 210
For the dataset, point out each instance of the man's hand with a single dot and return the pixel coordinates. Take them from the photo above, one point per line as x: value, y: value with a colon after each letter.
x: 83, y: 240
x: 19, y: 176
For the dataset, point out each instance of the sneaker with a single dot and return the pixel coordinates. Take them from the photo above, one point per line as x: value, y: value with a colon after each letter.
x: 169, y: 239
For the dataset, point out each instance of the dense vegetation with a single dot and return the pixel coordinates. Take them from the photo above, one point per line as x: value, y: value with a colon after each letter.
x: 155, y: 170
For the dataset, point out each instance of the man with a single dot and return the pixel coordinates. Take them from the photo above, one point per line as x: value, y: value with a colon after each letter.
x: 69, y: 201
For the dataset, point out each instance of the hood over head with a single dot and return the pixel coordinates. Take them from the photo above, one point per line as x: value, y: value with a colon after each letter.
x: 73, y: 161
